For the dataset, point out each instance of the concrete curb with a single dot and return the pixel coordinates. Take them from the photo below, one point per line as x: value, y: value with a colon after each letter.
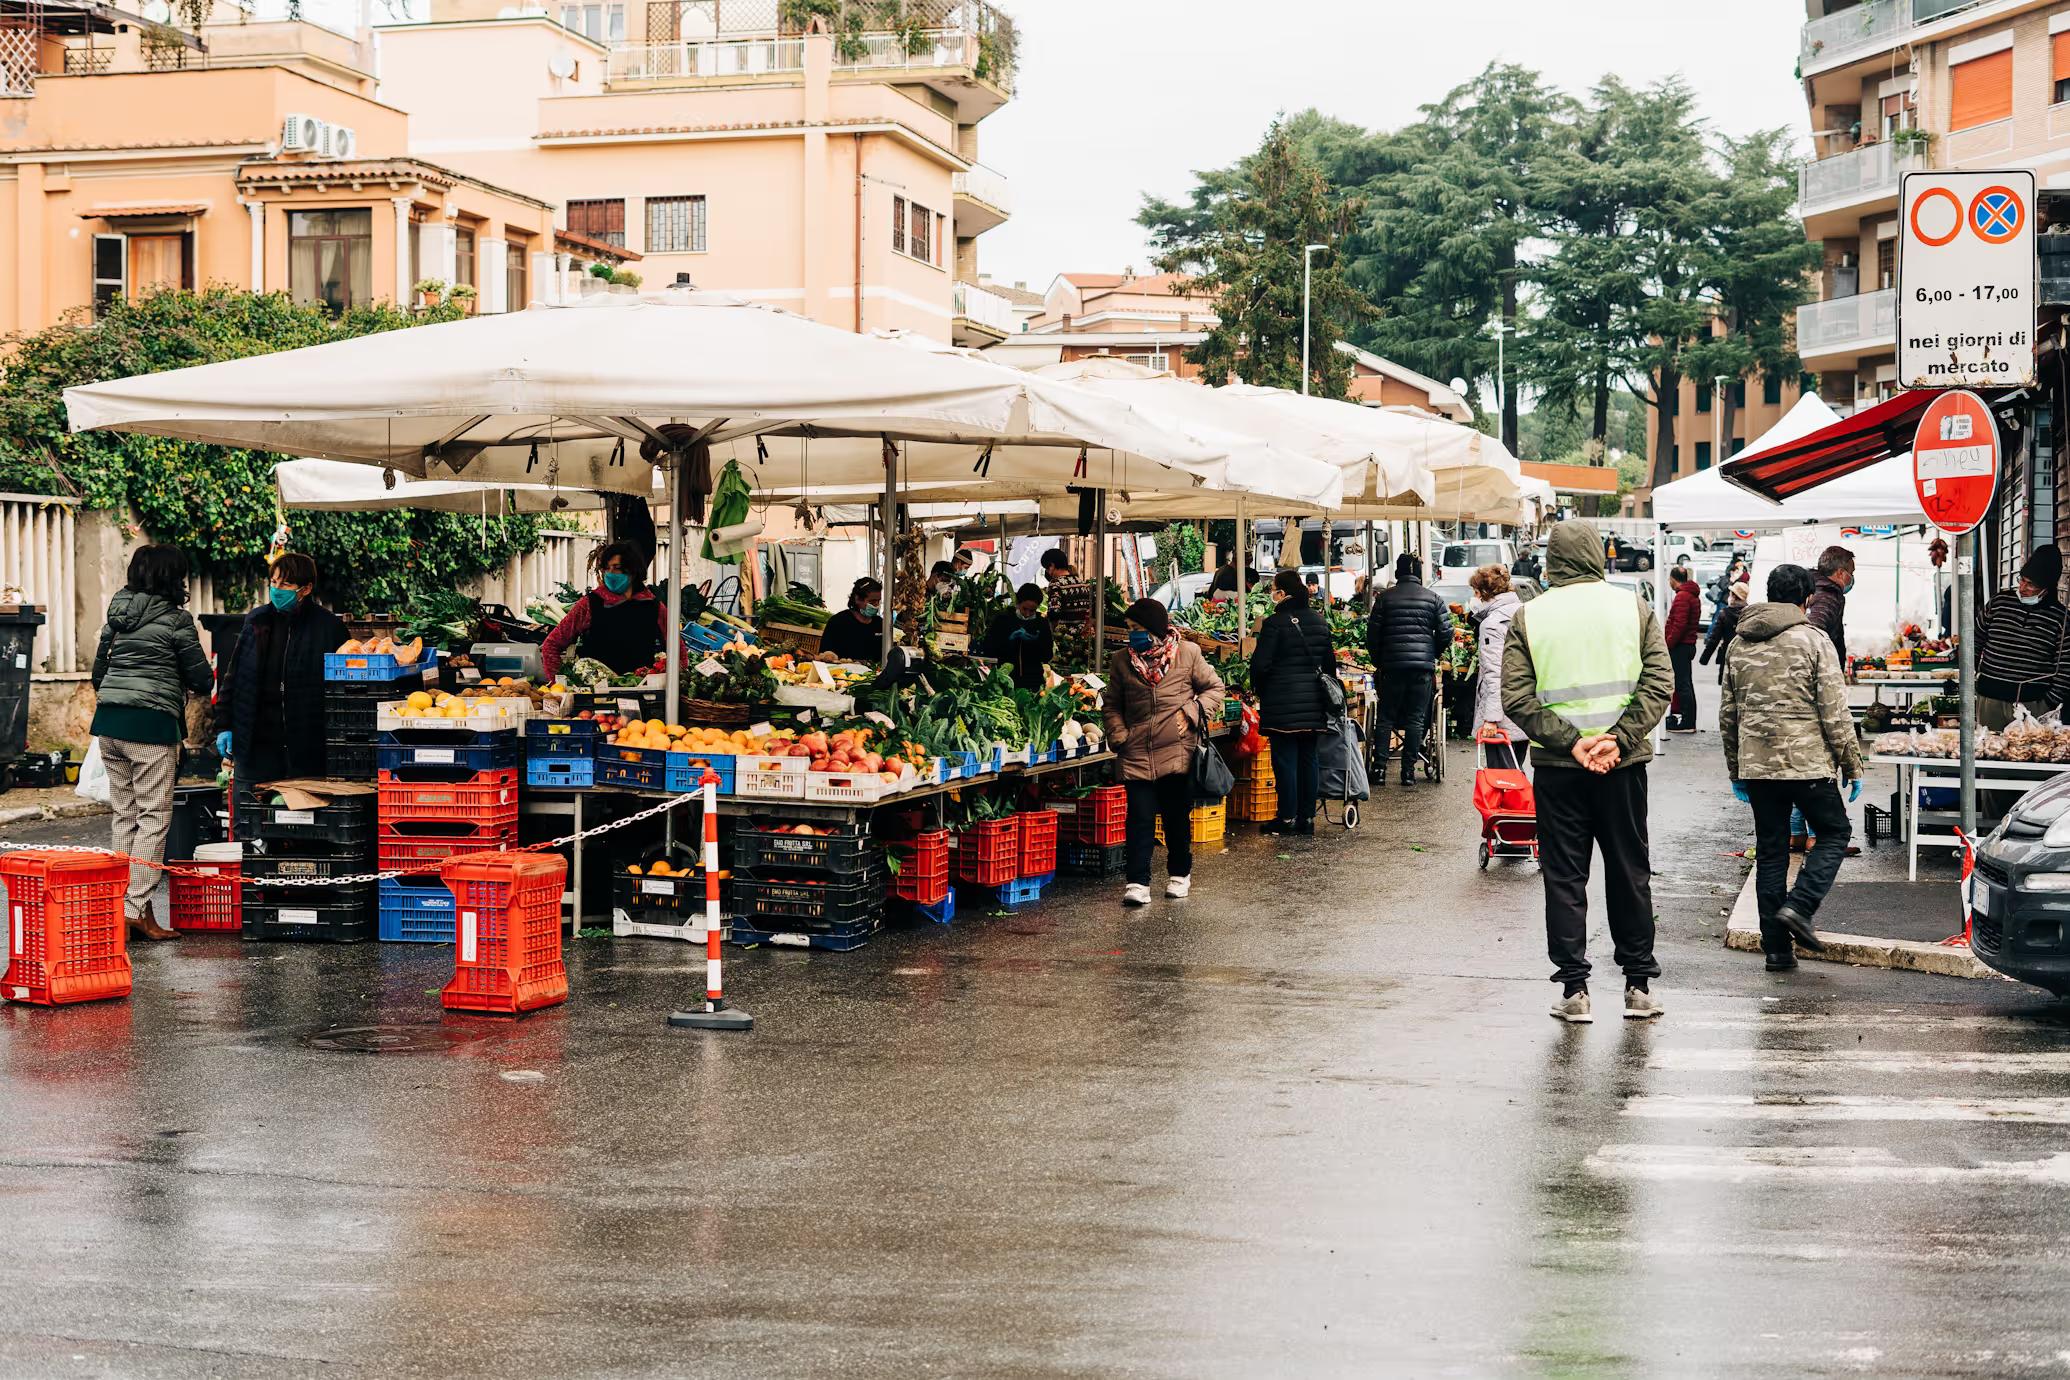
x: 1743, y: 931
x: 79, y: 809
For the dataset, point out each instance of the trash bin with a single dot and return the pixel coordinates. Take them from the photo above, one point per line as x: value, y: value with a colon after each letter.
x: 18, y: 625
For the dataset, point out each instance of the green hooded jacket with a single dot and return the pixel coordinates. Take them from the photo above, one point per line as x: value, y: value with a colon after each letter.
x: 150, y: 656
x: 1574, y: 553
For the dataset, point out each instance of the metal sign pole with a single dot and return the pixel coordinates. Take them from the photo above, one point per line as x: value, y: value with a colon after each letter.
x: 1966, y: 669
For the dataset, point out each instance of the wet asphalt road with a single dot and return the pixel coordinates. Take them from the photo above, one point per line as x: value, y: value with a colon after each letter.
x: 1312, y: 1121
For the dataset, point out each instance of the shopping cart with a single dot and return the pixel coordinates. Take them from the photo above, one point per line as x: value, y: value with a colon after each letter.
x: 1430, y: 753
x: 1341, y: 776
x: 1503, y: 798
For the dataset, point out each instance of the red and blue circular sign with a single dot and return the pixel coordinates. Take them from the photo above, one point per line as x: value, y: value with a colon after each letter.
x: 1996, y: 214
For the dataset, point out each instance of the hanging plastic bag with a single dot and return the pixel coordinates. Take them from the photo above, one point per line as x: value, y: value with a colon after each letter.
x: 93, y: 775
x: 1251, y: 741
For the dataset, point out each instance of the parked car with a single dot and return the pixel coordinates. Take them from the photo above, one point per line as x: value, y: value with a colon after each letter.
x: 1185, y: 591
x: 1622, y: 553
x: 1472, y: 554
x: 2020, y: 893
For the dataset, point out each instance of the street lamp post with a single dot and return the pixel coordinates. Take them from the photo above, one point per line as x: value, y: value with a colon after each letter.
x: 1503, y: 330
x: 1308, y: 253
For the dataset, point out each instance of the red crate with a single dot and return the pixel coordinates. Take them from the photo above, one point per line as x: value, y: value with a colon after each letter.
x: 208, y: 896
x: 423, y: 857
x: 506, y: 933
x: 923, y: 868
x: 989, y: 854
x: 490, y: 804
x: 65, y: 927
x: 1102, y: 817
x: 1038, y: 842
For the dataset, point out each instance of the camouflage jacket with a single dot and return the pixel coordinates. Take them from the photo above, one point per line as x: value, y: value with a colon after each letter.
x: 1784, y: 716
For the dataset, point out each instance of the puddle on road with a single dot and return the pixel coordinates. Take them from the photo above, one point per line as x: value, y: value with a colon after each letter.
x: 395, y: 1039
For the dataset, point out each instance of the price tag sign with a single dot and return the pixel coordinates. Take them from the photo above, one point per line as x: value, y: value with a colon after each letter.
x: 710, y: 667
x: 1965, y: 281
x: 629, y: 708
x: 822, y: 674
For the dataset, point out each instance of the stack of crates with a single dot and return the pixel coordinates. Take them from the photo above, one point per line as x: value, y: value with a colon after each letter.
x: 289, y: 856
x: 1256, y: 797
x: 824, y: 889
x: 1093, y: 832
x: 561, y: 754
x: 65, y: 927
x: 447, y: 787
x: 1210, y: 823
x: 354, y: 687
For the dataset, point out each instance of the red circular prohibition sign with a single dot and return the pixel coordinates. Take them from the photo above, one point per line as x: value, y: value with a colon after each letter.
x: 1960, y: 218
x: 2003, y: 227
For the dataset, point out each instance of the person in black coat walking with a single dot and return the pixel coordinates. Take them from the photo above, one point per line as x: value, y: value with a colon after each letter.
x: 269, y: 706
x: 1293, y: 655
x: 1724, y: 627
x: 1407, y: 632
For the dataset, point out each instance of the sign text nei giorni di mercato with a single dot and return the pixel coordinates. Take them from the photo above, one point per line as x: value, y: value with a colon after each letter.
x: 1965, y: 280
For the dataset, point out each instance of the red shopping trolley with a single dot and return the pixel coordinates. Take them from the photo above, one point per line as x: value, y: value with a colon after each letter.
x: 1503, y: 797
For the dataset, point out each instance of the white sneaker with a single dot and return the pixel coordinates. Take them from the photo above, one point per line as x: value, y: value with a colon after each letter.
x: 1641, y: 1006
x: 1175, y: 888
x: 1574, y: 1010
x: 1135, y: 894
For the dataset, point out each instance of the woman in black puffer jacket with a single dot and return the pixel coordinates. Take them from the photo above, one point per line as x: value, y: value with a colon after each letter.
x: 1286, y: 672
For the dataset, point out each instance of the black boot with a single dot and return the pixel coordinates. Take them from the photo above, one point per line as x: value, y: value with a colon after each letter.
x: 1782, y: 960
x: 1798, y: 927
x: 1277, y: 826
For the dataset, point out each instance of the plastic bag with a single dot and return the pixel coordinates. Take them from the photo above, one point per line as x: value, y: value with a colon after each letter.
x: 1251, y: 741
x: 93, y: 775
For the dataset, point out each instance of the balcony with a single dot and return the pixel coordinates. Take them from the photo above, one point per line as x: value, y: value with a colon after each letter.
x: 983, y: 200
x: 705, y: 60
x: 1871, y: 27
x: 983, y: 317
x: 1855, y: 181
x: 1832, y: 332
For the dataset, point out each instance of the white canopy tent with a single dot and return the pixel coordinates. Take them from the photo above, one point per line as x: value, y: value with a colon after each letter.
x: 338, y: 487
x: 1705, y: 502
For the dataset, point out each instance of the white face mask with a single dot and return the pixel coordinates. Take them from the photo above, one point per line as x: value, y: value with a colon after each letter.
x: 2030, y: 600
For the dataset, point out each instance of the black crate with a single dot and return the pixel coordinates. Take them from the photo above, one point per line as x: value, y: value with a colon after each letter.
x: 801, y: 901
x: 309, y: 922
x: 641, y: 896
x: 349, y: 760
x: 844, y: 856
x: 263, y: 867
x: 344, y: 827
x: 1092, y: 860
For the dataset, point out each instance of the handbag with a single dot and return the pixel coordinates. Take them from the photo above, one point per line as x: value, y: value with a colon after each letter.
x: 1334, y: 702
x: 1212, y: 779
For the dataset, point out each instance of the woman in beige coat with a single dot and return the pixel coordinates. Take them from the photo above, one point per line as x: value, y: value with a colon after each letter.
x: 1160, y: 690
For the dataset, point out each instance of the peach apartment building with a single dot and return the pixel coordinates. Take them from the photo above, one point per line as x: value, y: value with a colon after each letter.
x: 832, y: 174
x: 252, y: 153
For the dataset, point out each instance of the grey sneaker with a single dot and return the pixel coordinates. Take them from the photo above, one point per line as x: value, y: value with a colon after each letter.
x: 1641, y: 1006
x: 1135, y: 894
x: 1574, y: 1010
x: 1177, y: 887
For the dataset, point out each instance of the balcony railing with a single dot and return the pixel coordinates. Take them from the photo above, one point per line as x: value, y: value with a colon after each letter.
x: 983, y: 184
x: 1871, y: 26
x: 743, y: 57
x: 1858, y: 175
x: 982, y: 307
x: 88, y: 62
x: 1867, y: 319
x: 938, y: 48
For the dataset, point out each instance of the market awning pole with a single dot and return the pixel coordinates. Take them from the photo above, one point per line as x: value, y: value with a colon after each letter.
x: 1241, y: 591
x: 1099, y: 574
x: 1966, y: 671
x: 1660, y: 612
x: 888, y: 520
x: 675, y: 612
x: 1372, y: 566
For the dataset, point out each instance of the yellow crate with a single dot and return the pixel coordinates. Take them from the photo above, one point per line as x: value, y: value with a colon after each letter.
x: 1210, y: 824
x: 1255, y: 800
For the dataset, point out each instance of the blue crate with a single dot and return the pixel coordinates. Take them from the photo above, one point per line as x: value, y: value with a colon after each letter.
x: 635, y: 776
x: 415, y: 914
x: 839, y: 940
x: 372, y: 666
x: 942, y: 912
x: 503, y: 752
x: 702, y: 638
x: 1024, y: 890
x: 561, y: 773
x: 686, y: 771
x: 560, y: 738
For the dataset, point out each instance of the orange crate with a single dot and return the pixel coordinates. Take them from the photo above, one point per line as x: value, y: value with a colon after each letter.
x: 208, y: 896
x: 65, y: 930
x: 422, y: 857
x: 506, y: 933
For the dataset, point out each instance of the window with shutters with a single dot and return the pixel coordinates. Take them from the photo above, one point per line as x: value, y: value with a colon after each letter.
x: 603, y: 221
x: 1703, y: 455
x: 463, y: 258
x: 1703, y: 398
x: 110, y: 271
x: 675, y: 225
x: 1897, y: 113
x: 917, y: 232
x: 2060, y: 65
x: 331, y: 258
x: 516, y: 279
x: 1886, y: 263
x: 898, y: 225
x: 1771, y: 389
x: 1983, y: 90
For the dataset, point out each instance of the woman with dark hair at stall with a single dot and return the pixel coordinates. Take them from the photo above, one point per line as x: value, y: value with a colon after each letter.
x: 1293, y: 654
x: 856, y: 633
x: 269, y: 708
x: 620, y: 622
x: 148, y: 661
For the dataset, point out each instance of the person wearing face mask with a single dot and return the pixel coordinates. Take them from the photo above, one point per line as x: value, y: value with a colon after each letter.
x: 856, y: 633
x: 1293, y: 655
x: 1827, y: 608
x: 269, y: 705
x: 620, y: 622
x: 1021, y: 641
x: 941, y: 582
x: 1160, y: 691
x: 2020, y: 644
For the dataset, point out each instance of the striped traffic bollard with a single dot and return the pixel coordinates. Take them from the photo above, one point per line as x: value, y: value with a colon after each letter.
x: 716, y: 1014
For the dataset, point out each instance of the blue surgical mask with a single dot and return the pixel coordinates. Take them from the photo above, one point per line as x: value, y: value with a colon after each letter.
x: 617, y: 581
x: 1139, y: 641
x: 2030, y: 600
x: 283, y: 599
x: 869, y: 611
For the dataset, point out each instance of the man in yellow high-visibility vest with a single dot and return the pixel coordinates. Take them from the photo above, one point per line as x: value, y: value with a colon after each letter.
x: 1586, y: 674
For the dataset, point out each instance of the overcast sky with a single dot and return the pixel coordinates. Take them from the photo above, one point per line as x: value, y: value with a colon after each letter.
x: 1120, y: 97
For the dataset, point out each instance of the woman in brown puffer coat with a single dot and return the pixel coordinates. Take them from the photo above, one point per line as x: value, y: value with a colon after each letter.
x: 1160, y: 690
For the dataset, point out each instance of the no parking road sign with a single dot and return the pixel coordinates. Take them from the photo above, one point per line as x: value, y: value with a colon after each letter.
x: 1955, y: 461
x: 1965, y: 288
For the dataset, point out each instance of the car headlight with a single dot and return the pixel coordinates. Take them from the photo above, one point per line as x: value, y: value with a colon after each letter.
x: 2058, y: 835
x: 2047, y: 881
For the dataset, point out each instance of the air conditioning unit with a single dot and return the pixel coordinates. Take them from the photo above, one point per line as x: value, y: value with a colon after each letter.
x: 303, y: 134
x: 340, y: 142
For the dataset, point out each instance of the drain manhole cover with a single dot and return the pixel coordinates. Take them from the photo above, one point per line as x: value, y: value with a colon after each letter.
x: 393, y: 1039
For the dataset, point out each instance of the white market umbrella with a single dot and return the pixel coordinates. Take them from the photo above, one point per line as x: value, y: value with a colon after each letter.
x: 1705, y: 502
x: 338, y: 487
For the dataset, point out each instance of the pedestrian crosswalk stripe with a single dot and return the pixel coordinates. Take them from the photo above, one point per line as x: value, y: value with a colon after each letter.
x: 2049, y: 1110
x: 1833, y: 1164
x: 1858, y: 1060
x: 1914, y: 1021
